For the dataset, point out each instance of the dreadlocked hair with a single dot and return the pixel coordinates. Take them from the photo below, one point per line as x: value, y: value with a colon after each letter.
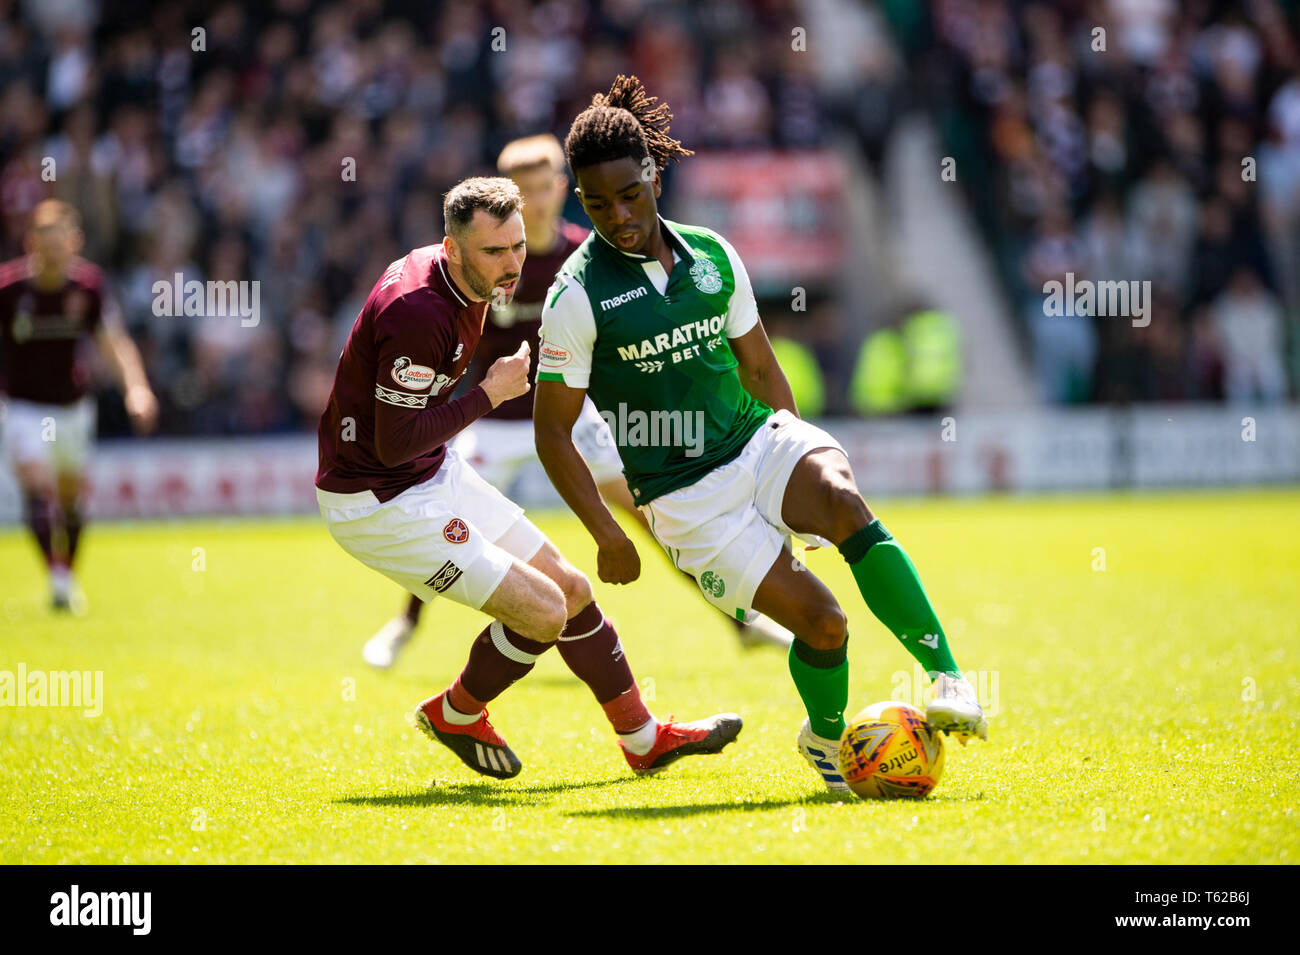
x: 623, y: 123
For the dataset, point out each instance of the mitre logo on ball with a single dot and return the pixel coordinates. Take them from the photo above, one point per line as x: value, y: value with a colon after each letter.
x: 409, y: 375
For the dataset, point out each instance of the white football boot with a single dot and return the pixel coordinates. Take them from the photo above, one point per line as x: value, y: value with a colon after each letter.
x: 823, y: 755
x: 764, y: 631
x: 66, y: 594
x: 954, y: 709
x: 382, y: 649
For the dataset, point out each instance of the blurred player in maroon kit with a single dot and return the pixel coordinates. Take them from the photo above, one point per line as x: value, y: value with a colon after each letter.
x: 395, y: 497
x: 51, y: 303
x: 500, y: 444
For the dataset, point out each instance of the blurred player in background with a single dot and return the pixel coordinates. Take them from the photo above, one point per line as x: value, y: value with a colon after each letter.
x: 402, y: 502
x: 500, y: 444
x: 684, y: 337
x: 51, y: 303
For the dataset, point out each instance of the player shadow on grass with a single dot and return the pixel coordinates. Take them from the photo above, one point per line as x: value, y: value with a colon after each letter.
x: 816, y: 799
x: 445, y: 793
x: 695, y: 809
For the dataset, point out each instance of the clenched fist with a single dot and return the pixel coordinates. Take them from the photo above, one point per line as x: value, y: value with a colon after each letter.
x: 508, y: 377
x: 142, y: 408
x: 617, y: 561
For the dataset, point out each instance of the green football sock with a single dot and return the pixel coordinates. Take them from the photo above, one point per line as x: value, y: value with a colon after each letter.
x: 892, y: 589
x: 822, y: 679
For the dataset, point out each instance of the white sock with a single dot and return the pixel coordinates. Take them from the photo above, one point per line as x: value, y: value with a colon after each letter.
x: 454, y: 716
x: 641, y: 740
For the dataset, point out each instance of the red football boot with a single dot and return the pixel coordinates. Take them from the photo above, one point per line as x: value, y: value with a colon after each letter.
x: 675, y: 740
x: 479, y: 746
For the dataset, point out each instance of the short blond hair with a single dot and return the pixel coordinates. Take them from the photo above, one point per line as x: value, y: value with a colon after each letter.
x: 528, y: 153
x: 57, y: 210
x: 497, y: 196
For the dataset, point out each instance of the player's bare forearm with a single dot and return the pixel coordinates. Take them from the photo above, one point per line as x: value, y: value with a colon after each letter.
x: 617, y: 561
x: 141, y: 405
x: 555, y: 411
x: 572, y: 478
x: 125, y: 359
x: 760, y: 372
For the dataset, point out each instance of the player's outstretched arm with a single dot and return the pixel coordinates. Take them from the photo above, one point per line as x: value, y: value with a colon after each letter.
x: 141, y: 405
x: 760, y: 372
x: 556, y: 407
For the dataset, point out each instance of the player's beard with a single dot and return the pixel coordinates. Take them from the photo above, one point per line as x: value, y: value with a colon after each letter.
x: 488, y: 290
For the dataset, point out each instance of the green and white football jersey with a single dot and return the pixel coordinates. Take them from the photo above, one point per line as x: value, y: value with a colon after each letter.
x: 651, y: 350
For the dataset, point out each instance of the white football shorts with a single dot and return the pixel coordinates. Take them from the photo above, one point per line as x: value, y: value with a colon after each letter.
x: 499, y: 450
x: 60, y: 436
x: 453, y: 536
x: 726, y: 530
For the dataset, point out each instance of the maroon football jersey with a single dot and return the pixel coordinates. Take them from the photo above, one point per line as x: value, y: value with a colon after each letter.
x: 388, y: 417
x: 521, y: 320
x: 42, y: 333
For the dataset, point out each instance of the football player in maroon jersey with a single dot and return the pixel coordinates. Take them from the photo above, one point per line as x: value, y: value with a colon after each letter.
x: 51, y: 302
x: 500, y: 444
x: 402, y: 502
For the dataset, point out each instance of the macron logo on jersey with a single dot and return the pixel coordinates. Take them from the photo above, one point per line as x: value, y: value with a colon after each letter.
x: 616, y: 301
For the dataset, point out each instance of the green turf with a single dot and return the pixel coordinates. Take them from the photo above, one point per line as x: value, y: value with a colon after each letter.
x: 1144, y: 713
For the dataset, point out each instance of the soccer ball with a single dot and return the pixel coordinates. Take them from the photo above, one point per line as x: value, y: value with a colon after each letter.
x: 888, y: 751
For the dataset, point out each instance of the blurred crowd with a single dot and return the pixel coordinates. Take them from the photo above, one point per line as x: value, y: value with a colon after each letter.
x: 1134, y: 140
x: 307, y: 144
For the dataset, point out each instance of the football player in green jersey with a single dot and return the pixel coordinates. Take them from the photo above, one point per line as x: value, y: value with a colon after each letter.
x: 657, y: 322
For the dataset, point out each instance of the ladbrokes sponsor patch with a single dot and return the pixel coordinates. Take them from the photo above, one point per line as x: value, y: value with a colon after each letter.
x: 412, y: 376
x: 553, y: 356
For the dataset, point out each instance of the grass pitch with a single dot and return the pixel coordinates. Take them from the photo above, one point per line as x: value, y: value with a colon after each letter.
x: 1137, y: 653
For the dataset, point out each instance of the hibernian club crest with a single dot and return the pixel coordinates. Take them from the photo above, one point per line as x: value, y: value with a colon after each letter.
x: 706, y: 276
x: 711, y: 583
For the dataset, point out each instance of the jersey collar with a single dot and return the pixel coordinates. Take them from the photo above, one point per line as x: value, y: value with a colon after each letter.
x: 675, y: 241
x: 447, y: 278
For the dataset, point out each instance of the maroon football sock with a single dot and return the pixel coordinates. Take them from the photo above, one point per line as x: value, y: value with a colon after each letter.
x: 498, y: 658
x: 413, y: 608
x: 72, y: 525
x: 591, y: 648
x: 627, y: 712
x: 37, y: 515
x: 462, y: 701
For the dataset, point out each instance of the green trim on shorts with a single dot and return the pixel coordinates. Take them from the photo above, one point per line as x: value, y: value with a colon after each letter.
x: 740, y: 614
x: 672, y: 555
